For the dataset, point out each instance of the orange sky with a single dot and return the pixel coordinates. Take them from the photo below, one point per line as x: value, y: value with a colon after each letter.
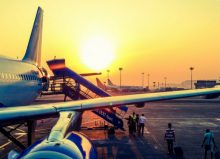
x: 162, y: 38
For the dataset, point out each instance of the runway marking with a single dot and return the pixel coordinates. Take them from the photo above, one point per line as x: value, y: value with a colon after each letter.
x: 146, y: 130
x: 22, y: 133
x: 158, y: 144
x: 11, y: 127
x: 7, y: 143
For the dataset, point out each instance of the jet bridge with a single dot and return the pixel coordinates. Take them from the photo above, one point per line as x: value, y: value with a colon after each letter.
x: 74, y: 86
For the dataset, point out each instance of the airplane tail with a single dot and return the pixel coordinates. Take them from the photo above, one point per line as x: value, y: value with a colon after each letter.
x: 110, y: 82
x: 100, y: 84
x: 33, y: 52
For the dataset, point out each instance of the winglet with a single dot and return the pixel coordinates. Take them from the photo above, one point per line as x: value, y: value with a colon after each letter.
x: 33, y: 52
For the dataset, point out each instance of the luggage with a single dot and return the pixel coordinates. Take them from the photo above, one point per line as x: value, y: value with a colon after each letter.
x: 178, y: 151
x: 217, y: 155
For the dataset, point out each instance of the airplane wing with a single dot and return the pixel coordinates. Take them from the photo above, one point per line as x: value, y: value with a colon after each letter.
x: 42, y: 110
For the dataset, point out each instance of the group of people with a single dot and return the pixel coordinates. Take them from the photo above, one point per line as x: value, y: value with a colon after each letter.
x: 136, y: 124
x: 208, y: 142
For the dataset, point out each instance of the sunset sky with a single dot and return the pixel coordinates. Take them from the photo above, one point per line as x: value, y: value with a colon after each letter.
x: 160, y: 37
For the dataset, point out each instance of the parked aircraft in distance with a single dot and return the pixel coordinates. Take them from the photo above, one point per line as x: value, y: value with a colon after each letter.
x: 22, y: 81
x: 116, y: 88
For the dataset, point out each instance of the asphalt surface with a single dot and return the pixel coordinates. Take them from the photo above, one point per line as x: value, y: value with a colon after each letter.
x: 190, y: 118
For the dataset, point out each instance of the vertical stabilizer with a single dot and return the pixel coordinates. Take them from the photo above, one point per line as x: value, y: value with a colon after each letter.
x: 33, y: 52
x: 100, y: 84
x: 110, y: 82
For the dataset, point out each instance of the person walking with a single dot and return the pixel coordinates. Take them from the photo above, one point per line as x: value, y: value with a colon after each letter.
x: 134, y: 122
x: 137, y: 123
x: 170, y: 138
x: 130, y: 125
x: 208, y: 143
x: 142, y: 120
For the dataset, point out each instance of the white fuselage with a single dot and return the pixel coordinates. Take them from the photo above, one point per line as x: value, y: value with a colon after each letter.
x: 20, y: 82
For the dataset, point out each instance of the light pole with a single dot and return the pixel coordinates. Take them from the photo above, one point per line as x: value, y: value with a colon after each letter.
x: 154, y: 84
x: 108, y: 71
x: 191, y: 69
x: 148, y: 80
x: 165, y: 83
x: 120, y: 69
x: 142, y: 79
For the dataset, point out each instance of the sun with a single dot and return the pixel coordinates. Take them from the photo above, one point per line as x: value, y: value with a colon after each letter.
x: 97, y: 53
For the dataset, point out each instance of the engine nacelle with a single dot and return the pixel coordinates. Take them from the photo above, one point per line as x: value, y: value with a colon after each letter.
x: 74, y: 145
x: 140, y: 105
x: 211, y: 96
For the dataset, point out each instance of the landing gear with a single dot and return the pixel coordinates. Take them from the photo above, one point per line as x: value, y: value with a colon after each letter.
x: 31, y: 125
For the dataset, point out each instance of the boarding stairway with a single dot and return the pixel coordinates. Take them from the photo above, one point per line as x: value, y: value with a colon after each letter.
x: 68, y: 87
x: 76, y: 87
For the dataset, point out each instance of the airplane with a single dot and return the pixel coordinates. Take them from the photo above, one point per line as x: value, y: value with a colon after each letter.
x: 115, y: 88
x: 17, y: 76
x: 22, y: 81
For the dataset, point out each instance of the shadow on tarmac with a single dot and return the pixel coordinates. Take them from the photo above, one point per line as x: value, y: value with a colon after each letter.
x: 127, y: 147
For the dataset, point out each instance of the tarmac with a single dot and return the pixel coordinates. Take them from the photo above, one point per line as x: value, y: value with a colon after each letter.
x: 190, y: 117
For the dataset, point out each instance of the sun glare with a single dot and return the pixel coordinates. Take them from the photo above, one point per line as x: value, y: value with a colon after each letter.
x: 97, y: 53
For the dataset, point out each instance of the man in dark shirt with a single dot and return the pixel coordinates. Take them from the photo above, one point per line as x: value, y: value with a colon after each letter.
x: 170, y: 138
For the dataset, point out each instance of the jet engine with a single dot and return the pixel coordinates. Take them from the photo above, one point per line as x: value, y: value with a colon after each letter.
x: 212, y: 96
x: 139, y: 105
x: 74, y: 146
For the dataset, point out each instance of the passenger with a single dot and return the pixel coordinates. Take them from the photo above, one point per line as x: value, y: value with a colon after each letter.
x: 142, y: 120
x: 137, y: 123
x: 170, y: 138
x: 209, y: 143
x: 130, y: 125
x: 134, y: 122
